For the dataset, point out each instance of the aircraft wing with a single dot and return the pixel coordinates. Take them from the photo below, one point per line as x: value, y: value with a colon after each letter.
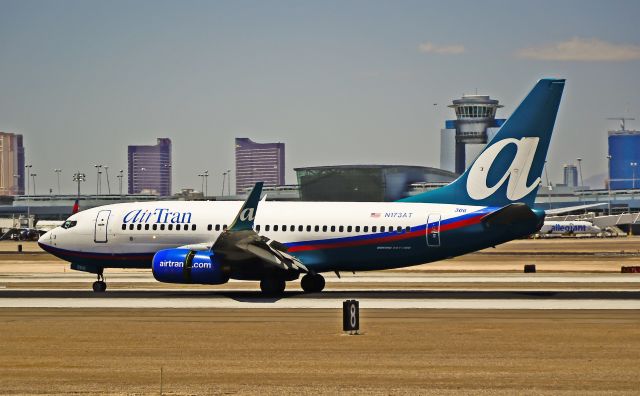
x: 240, y: 242
x: 573, y: 208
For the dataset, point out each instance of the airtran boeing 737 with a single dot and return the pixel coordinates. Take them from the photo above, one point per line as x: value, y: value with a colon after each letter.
x: 275, y: 242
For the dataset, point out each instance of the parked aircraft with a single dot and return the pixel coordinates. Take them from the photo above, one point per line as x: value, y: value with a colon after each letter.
x: 276, y: 242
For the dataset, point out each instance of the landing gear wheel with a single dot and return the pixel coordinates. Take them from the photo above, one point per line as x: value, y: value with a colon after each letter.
x: 312, y: 283
x: 99, y: 286
x: 272, y: 286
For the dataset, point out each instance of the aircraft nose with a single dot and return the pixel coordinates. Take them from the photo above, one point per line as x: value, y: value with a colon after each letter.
x: 45, y: 239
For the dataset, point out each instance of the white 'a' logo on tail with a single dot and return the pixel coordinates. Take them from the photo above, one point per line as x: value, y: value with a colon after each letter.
x: 247, y: 214
x: 518, y: 171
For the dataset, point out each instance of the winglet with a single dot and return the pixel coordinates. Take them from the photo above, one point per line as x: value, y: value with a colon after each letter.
x: 246, y: 215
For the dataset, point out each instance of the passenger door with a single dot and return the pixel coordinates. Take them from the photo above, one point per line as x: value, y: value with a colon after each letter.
x: 102, y: 222
x: 433, y: 230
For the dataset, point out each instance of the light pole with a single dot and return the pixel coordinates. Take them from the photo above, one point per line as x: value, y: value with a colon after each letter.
x: 57, y: 171
x: 78, y: 178
x: 634, y: 165
x: 206, y: 182
x: 546, y: 175
x: 98, y: 172
x: 609, y: 182
x: 224, y: 178
x: 201, y: 176
x: 33, y: 176
x: 581, y: 182
x: 120, y: 180
x: 106, y: 171
x: 229, y: 181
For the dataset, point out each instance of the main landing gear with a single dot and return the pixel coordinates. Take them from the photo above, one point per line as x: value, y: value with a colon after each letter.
x: 312, y: 283
x: 272, y: 286
x: 100, y: 285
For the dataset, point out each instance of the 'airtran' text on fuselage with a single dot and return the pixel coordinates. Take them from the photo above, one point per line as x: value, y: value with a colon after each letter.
x: 158, y: 215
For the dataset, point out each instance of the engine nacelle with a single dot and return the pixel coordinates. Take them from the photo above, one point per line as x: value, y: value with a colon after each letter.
x: 188, y: 266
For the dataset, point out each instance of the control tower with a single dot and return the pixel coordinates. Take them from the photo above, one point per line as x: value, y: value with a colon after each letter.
x: 463, y: 138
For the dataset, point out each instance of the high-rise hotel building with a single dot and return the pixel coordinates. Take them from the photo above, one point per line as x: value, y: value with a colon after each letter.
x: 258, y: 162
x: 12, y: 177
x: 150, y: 168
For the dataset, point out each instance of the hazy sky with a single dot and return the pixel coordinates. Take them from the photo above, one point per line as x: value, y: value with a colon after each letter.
x: 344, y: 82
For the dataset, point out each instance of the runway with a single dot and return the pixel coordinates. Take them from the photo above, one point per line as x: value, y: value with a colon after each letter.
x: 388, y: 299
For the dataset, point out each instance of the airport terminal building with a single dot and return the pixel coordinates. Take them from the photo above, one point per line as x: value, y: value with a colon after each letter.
x: 365, y: 183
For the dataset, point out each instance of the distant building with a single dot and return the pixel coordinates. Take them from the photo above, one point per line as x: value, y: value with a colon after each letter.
x: 258, y: 162
x: 150, y: 168
x: 624, y: 150
x: 365, y: 183
x: 12, y: 177
x: 462, y: 139
x: 570, y: 178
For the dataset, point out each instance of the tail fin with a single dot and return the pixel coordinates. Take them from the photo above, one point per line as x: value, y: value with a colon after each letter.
x: 510, y: 167
x: 245, y: 217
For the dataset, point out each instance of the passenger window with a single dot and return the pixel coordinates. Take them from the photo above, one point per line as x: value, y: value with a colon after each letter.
x: 124, y: 226
x: 349, y: 228
x: 317, y: 228
x: 333, y: 228
x: 170, y: 227
x: 341, y: 229
x: 177, y: 227
x: 193, y: 227
x: 382, y: 228
x: 218, y: 227
x: 275, y: 228
x: 209, y: 227
x: 224, y: 227
x: 139, y: 227
x: 146, y: 227
x: 374, y: 228
x: 161, y: 227
x: 366, y: 229
x: 284, y: 228
x: 300, y: 228
x: 155, y: 227
x: 131, y: 226
x: 357, y: 228
x: 308, y: 228
x: 266, y: 228
x: 399, y: 229
x: 292, y: 228
x: 407, y: 229
x: 324, y: 228
x: 258, y: 228
x: 186, y: 227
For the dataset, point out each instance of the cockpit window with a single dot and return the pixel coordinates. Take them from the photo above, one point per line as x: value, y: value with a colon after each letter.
x: 69, y: 224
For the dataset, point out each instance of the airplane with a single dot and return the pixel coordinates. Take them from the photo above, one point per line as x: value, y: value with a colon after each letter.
x: 569, y: 228
x: 211, y: 242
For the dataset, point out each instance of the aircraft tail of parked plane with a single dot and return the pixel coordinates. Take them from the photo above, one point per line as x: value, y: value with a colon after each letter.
x: 510, y: 167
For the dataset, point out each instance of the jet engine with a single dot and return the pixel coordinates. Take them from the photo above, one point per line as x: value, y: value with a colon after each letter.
x: 188, y: 266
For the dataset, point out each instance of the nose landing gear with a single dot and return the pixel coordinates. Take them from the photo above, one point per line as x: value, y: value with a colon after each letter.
x: 100, y: 285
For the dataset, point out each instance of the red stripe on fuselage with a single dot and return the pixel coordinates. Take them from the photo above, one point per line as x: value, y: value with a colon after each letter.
x: 385, y: 239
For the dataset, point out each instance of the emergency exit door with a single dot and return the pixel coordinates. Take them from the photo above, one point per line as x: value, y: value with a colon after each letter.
x: 102, y: 222
x: 433, y: 230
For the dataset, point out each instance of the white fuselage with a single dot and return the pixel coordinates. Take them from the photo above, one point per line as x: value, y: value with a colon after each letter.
x: 147, y: 227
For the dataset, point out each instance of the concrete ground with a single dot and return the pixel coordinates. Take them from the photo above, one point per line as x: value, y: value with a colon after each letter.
x: 304, y: 352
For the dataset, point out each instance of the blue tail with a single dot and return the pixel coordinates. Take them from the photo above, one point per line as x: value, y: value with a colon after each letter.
x: 509, y: 169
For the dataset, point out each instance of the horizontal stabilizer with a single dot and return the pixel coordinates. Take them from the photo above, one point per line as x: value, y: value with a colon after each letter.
x: 508, y: 215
